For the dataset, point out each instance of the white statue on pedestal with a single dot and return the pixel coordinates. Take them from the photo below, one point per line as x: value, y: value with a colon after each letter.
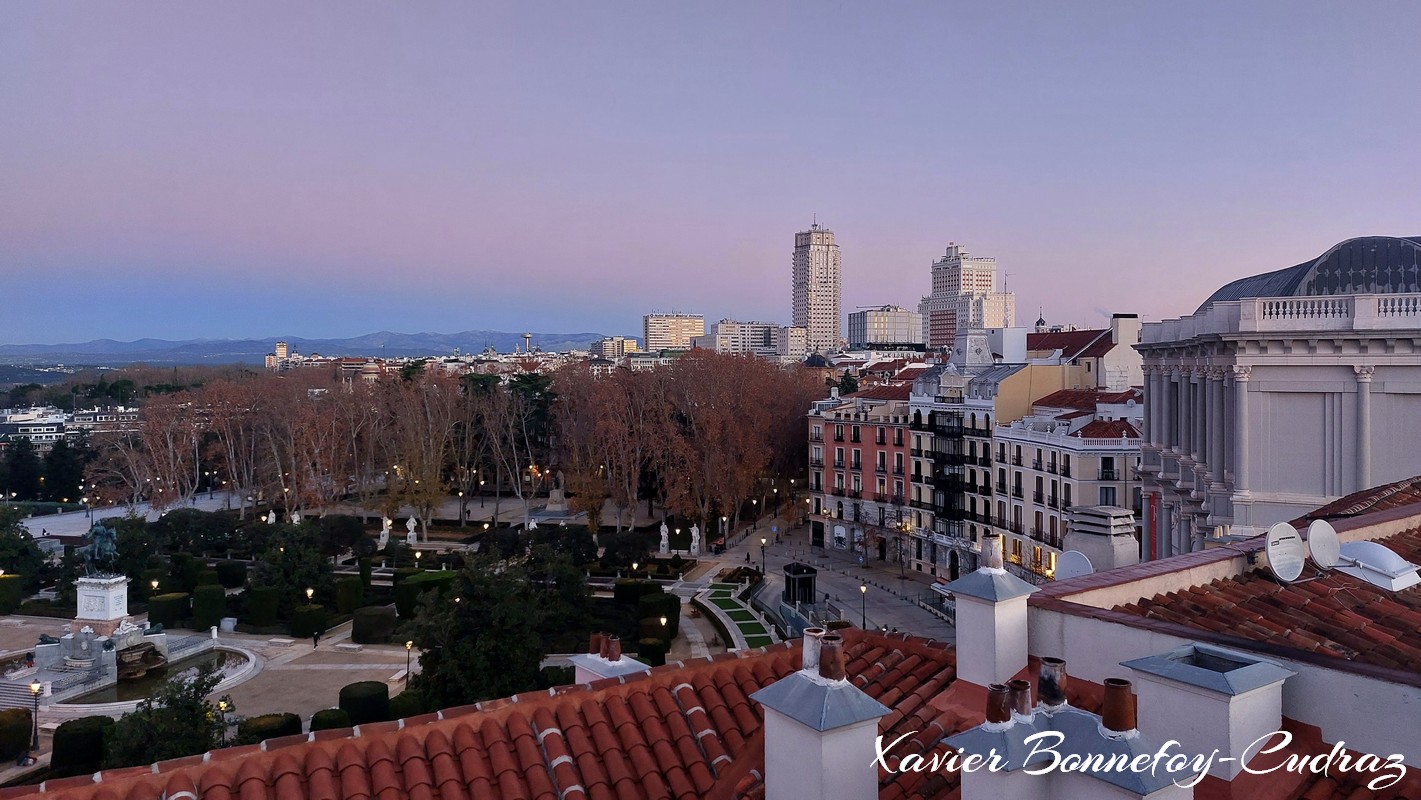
x: 296, y: 518
x: 271, y: 517
x: 665, y: 540
x: 384, y: 534
x: 410, y: 537
x: 695, y: 541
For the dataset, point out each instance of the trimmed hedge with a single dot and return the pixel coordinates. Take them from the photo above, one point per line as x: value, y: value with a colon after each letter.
x: 631, y: 590
x: 399, y: 575
x: 406, y: 704
x: 408, y: 591
x: 232, y: 574
x: 651, y: 651
x: 666, y: 605
x: 365, y: 702
x: 329, y: 719
x: 79, y: 745
x: 182, y: 572
x: 308, y: 620
x: 373, y: 625
x: 208, y: 577
x: 367, y: 569
x: 15, y: 730
x: 209, y: 605
x: 262, y: 603
x: 349, y: 593
x: 11, y: 593
x: 168, y: 609
x: 267, y: 726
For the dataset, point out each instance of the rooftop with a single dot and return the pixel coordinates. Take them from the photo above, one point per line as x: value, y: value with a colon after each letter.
x: 1365, y: 265
x: 1072, y: 344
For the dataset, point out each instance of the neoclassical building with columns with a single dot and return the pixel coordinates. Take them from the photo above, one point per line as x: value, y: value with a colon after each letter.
x: 1282, y: 392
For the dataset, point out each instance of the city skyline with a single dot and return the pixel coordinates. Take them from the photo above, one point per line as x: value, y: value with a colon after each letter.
x: 549, y: 169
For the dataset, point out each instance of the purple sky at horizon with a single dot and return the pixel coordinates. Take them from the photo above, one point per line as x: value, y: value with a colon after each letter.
x: 321, y: 170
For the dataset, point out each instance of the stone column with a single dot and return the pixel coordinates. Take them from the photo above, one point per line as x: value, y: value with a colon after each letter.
x: 1197, y: 404
x: 1216, y: 428
x: 1170, y: 410
x: 1364, y: 426
x: 1241, y: 378
x: 1186, y: 414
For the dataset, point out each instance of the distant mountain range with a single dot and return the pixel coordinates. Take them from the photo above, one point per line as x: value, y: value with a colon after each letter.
x: 108, y: 352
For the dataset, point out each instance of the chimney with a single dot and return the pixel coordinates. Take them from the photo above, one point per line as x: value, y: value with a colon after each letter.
x: 821, y: 731
x: 1020, y: 700
x: 1125, y: 329
x: 1117, y: 713
x: 809, y: 657
x: 991, y: 620
x: 998, y: 707
x: 604, y: 659
x: 1052, y: 683
x: 1231, y: 699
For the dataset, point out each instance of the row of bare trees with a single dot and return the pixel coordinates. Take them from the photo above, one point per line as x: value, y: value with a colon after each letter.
x: 700, y: 437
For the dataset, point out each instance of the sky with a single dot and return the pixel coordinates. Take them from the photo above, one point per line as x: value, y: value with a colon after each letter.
x: 327, y: 169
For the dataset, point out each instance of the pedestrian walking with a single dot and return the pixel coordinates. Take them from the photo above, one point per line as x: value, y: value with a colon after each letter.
x: 316, y: 639
x: 747, y: 558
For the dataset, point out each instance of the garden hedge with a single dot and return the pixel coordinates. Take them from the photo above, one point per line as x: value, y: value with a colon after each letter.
x: 15, y: 732
x: 367, y: 569
x: 79, y: 745
x: 267, y: 726
x: 373, y: 625
x: 330, y: 718
x: 308, y: 620
x: 168, y: 609
x: 631, y: 590
x: 182, y: 572
x: 262, y: 603
x: 662, y: 605
x: 208, y: 577
x: 652, y: 652
x: 231, y: 574
x: 349, y: 591
x: 209, y: 605
x: 11, y: 593
x: 406, y: 704
x: 401, y: 574
x: 407, y: 593
x: 365, y: 702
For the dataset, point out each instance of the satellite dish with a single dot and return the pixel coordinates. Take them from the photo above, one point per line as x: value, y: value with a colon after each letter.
x: 1285, y: 552
x: 1073, y: 564
x: 1323, y: 544
x: 1377, y: 565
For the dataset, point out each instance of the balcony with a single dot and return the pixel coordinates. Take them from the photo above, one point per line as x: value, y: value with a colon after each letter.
x: 1016, y: 461
x: 983, y: 433
x: 1053, y: 502
x: 880, y: 498
x: 1046, y: 537
x: 1065, y: 470
x: 855, y: 440
x: 838, y: 463
x: 1109, y: 475
x: 816, y: 462
x: 1039, y: 497
x: 1036, y: 463
x: 816, y: 437
x: 916, y: 452
x: 984, y: 461
x: 922, y: 505
x: 1051, y: 467
x: 881, y: 469
x: 897, y: 470
x: 1016, y: 492
x: 1001, y: 488
x: 856, y: 494
x: 857, y: 466
x: 952, y: 459
x: 947, y: 483
x: 838, y: 437
x: 947, y: 429
x: 837, y: 491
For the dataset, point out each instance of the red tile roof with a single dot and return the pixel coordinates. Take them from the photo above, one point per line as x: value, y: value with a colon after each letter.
x: 687, y: 730
x: 1107, y: 429
x: 1072, y: 344
x: 884, y: 392
x: 1086, y: 399
x: 1380, y: 498
x: 1336, y: 615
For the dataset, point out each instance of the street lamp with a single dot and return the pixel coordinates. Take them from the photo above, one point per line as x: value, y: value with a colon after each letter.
x: 481, y: 492
x: 35, y: 687
x: 417, y: 555
x: 863, y: 605
x: 777, y: 501
x: 89, y: 512
x: 663, y: 625
x: 409, y: 645
x: 310, y: 593
x: 222, y: 707
x: 634, y: 566
x: 763, y: 542
x: 461, y: 508
x: 154, y: 584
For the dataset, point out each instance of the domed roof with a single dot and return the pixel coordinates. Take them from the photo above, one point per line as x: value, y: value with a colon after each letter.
x: 816, y: 360
x: 1365, y: 265
x: 370, y: 368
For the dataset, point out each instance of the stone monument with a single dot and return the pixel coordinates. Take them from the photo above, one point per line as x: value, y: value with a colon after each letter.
x: 411, y: 538
x: 665, y: 540
x: 271, y: 517
x: 295, y: 517
x: 557, y: 499
x: 384, y: 533
x: 695, y: 541
x: 103, y: 603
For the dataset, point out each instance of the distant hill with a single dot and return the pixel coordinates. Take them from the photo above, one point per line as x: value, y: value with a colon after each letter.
x: 108, y: 352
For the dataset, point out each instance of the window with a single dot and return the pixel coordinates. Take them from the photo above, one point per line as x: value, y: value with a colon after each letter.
x: 1107, y: 495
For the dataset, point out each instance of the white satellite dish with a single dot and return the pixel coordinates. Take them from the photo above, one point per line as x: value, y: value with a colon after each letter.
x: 1073, y: 564
x: 1285, y: 552
x: 1378, y: 565
x: 1323, y: 545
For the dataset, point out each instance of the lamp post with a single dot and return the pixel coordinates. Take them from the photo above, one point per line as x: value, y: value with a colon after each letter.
x: 481, y: 493
x: 88, y: 512
x: 461, y: 508
x: 154, y: 584
x: 310, y: 593
x: 777, y: 501
x: 763, y: 542
x: 35, y: 687
x: 634, y: 566
x: 417, y: 555
x: 222, y: 706
x: 863, y: 606
x: 409, y: 645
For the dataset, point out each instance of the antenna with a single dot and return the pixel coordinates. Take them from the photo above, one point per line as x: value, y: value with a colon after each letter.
x: 1372, y: 562
x: 1323, y: 545
x: 1073, y: 564
x: 1285, y: 552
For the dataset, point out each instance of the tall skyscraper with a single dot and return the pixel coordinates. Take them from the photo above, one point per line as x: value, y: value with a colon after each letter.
x: 817, y: 273
x: 671, y: 331
x: 964, y: 296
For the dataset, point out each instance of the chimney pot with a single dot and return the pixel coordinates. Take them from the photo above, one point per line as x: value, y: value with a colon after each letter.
x: 992, y: 551
x: 831, y: 657
x: 1118, y: 712
x: 595, y: 646
x: 612, y: 647
x: 1020, y: 697
x: 813, y: 640
x: 1052, y: 684
x: 998, y: 703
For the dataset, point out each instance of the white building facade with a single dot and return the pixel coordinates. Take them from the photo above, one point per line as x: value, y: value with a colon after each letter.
x: 889, y: 326
x: 817, y: 275
x: 1283, y: 392
x: 671, y: 331
x: 964, y: 295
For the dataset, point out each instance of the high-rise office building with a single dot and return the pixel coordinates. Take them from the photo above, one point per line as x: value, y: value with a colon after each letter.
x: 964, y: 296
x: 889, y: 326
x: 671, y: 331
x: 817, y: 273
